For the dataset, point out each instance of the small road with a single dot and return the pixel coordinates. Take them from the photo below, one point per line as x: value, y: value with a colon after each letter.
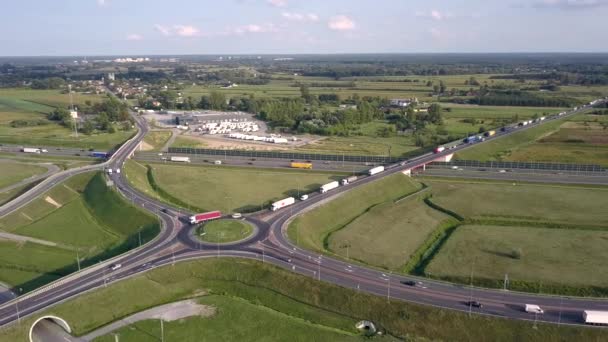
x: 174, y: 133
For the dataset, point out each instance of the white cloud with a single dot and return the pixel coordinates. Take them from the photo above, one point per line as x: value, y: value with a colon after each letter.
x: 102, y: 2
x: 164, y: 30
x: 277, y: 3
x: 570, y: 4
x: 254, y: 28
x: 434, y: 14
x: 134, y: 36
x: 303, y: 17
x: 435, y: 33
x: 186, y: 30
x: 341, y: 23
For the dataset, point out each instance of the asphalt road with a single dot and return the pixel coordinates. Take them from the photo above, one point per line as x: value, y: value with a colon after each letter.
x: 174, y: 243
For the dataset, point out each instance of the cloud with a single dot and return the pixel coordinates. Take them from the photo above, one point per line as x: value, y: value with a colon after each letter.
x: 303, y: 17
x: 434, y: 14
x: 134, y: 37
x: 254, y: 28
x: 277, y: 3
x: 102, y: 2
x: 570, y: 4
x: 178, y: 30
x: 435, y: 33
x: 341, y: 23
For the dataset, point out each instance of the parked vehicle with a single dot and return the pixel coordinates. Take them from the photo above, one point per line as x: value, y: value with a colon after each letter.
x: 595, y: 317
x: 349, y: 180
x: 30, y: 150
x: 533, y: 308
x: 297, y: 165
x: 375, y: 170
x: 203, y: 217
x: 439, y: 149
x: 329, y: 186
x: 180, y: 159
x: 282, y: 203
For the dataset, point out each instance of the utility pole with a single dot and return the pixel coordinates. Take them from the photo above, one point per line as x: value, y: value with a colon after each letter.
x: 506, y: 282
x: 162, y: 331
x: 72, y: 109
x: 78, y: 260
x: 319, y: 262
x: 139, y: 233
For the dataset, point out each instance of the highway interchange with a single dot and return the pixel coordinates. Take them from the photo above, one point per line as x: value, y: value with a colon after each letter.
x: 270, y: 244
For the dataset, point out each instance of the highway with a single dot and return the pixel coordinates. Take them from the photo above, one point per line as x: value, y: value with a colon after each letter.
x: 270, y: 244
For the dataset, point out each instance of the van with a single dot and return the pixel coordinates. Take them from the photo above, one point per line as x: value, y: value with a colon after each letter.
x: 303, y: 197
x: 533, y: 308
x: 114, y: 267
x: 217, y: 162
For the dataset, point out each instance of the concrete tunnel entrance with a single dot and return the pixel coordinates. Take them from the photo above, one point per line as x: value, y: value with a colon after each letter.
x: 50, y: 328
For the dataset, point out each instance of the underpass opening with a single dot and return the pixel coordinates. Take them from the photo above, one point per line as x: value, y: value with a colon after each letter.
x: 44, y: 325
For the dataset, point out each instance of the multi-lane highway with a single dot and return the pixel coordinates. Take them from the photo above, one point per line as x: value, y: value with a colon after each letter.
x: 175, y: 243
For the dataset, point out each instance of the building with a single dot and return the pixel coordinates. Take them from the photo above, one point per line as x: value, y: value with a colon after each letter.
x: 403, y: 102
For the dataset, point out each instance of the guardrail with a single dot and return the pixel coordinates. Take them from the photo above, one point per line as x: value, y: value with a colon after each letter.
x: 522, y: 165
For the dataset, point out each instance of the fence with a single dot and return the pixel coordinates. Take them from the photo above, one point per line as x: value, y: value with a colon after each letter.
x: 522, y: 165
x: 286, y: 155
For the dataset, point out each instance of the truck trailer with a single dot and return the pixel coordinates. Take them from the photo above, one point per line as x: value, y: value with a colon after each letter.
x: 95, y: 154
x: 329, y: 186
x: 180, y: 159
x: 198, y: 218
x: 296, y: 165
x: 375, y: 170
x: 349, y: 180
x: 282, y: 203
x: 30, y: 150
x: 595, y: 317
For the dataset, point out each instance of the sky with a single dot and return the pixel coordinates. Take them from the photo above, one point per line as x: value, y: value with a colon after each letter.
x: 176, y: 27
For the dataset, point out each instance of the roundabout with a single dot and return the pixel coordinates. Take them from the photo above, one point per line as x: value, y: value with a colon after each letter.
x: 224, y: 231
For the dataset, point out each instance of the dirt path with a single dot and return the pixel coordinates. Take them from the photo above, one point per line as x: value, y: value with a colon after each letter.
x: 168, y: 312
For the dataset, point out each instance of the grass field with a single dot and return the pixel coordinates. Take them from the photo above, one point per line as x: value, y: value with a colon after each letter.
x: 155, y: 140
x: 558, y: 256
x: 284, y: 296
x: 362, y: 145
x: 182, y: 141
x: 27, y: 104
x: 6, y: 196
x: 577, y: 206
x: 137, y: 177
x: 388, y: 234
x: 224, y: 231
x: 15, y: 172
x: 84, y: 218
x: 64, y: 162
x: 234, y: 189
x: 311, y: 229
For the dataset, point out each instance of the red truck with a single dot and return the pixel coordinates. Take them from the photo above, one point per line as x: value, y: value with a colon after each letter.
x: 198, y: 218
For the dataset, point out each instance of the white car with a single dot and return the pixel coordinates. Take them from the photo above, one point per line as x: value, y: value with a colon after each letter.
x: 114, y: 267
x: 237, y: 215
x: 303, y: 197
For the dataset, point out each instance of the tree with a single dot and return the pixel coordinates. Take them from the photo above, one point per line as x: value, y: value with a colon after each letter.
x: 442, y: 87
x: 305, y: 93
x: 481, y: 129
x: 217, y: 100
x: 103, y: 121
x: 429, y: 83
x: 88, y: 128
x: 434, y: 114
x: 436, y: 88
x: 205, y: 102
x: 111, y: 129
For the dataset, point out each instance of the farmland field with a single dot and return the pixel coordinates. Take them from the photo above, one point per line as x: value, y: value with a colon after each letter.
x: 15, y: 172
x: 288, y: 305
x: 310, y: 229
x: 387, y: 234
x: 235, y: 189
x: 540, y: 255
x: 182, y: 141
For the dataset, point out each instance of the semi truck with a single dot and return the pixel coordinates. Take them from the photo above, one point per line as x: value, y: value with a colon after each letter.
x: 490, y: 133
x: 439, y: 149
x: 301, y: 165
x: 203, y: 217
x: 595, y: 317
x: 180, y: 159
x: 349, y: 180
x: 95, y: 154
x: 375, y: 170
x: 329, y: 186
x: 32, y: 150
x: 282, y: 203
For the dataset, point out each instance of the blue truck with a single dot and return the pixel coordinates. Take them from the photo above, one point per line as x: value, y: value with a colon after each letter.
x: 472, y: 139
x: 102, y: 155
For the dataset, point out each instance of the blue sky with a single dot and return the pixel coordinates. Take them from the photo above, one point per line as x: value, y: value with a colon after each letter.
x: 129, y: 27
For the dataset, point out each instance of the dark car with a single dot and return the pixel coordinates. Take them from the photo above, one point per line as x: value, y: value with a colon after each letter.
x: 409, y: 282
x: 474, y: 304
x: 164, y: 210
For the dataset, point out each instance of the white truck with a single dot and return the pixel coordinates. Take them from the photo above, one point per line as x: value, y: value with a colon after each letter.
x: 349, y: 180
x: 595, y: 317
x: 375, y: 170
x: 282, y: 203
x: 329, y: 186
x: 217, y: 162
x: 180, y: 159
x: 533, y: 308
x: 31, y: 150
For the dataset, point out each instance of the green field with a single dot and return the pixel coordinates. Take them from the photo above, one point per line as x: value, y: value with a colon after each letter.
x: 224, y: 231
x: 537, y: 255
x: 27, y: 104
x: 15, y: 172
x: 231, y: 189
x: 84, y: 218
x: 388, y: 234
x: 64, y: 162
x: 182, y: 141
x: 6, y: 196
x: 292, y: 300
x: 568, y: 205
x: 137, y: 177
x: 311, y: 229
x: 155, y: 140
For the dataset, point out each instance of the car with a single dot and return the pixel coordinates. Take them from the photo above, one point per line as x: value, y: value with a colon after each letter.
x: 303, y: 197
x: 164, y: 210
x: 502, y: 171
x: 408, y: 282
x: 91, y: 149
x: 475, y: 304
x: 237, y: 215
x: 77, y: 154
x: 114, y: 267
x: 249, y: 163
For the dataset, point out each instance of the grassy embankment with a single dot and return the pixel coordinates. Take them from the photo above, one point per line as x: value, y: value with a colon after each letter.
x: 83, y: 218
x: 33, y: 105
x: 155, y: 140
x: 314, y: 308
x: 16, y: 172
x: 224, y: 231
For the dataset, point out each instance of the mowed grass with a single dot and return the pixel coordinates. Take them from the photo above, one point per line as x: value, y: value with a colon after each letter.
x: 578, y: 206
x: 557, y: 256
x: 223, y: 231
x: 8, y: 195
x: 282, y: 295
x: 388, y: 234
x: 235, y: 189
x: 15, y: 172
x: 155, y: 140
x: 48, y: 98
x: 136, y: 175
x: 495, y: 112
x: 182, y: 141
x: 235, y: 320
x: 361, y: 145
x: 311, y: 229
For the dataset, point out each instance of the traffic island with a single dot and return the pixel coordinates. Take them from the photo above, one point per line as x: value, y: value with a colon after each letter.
x: 225, y: 231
